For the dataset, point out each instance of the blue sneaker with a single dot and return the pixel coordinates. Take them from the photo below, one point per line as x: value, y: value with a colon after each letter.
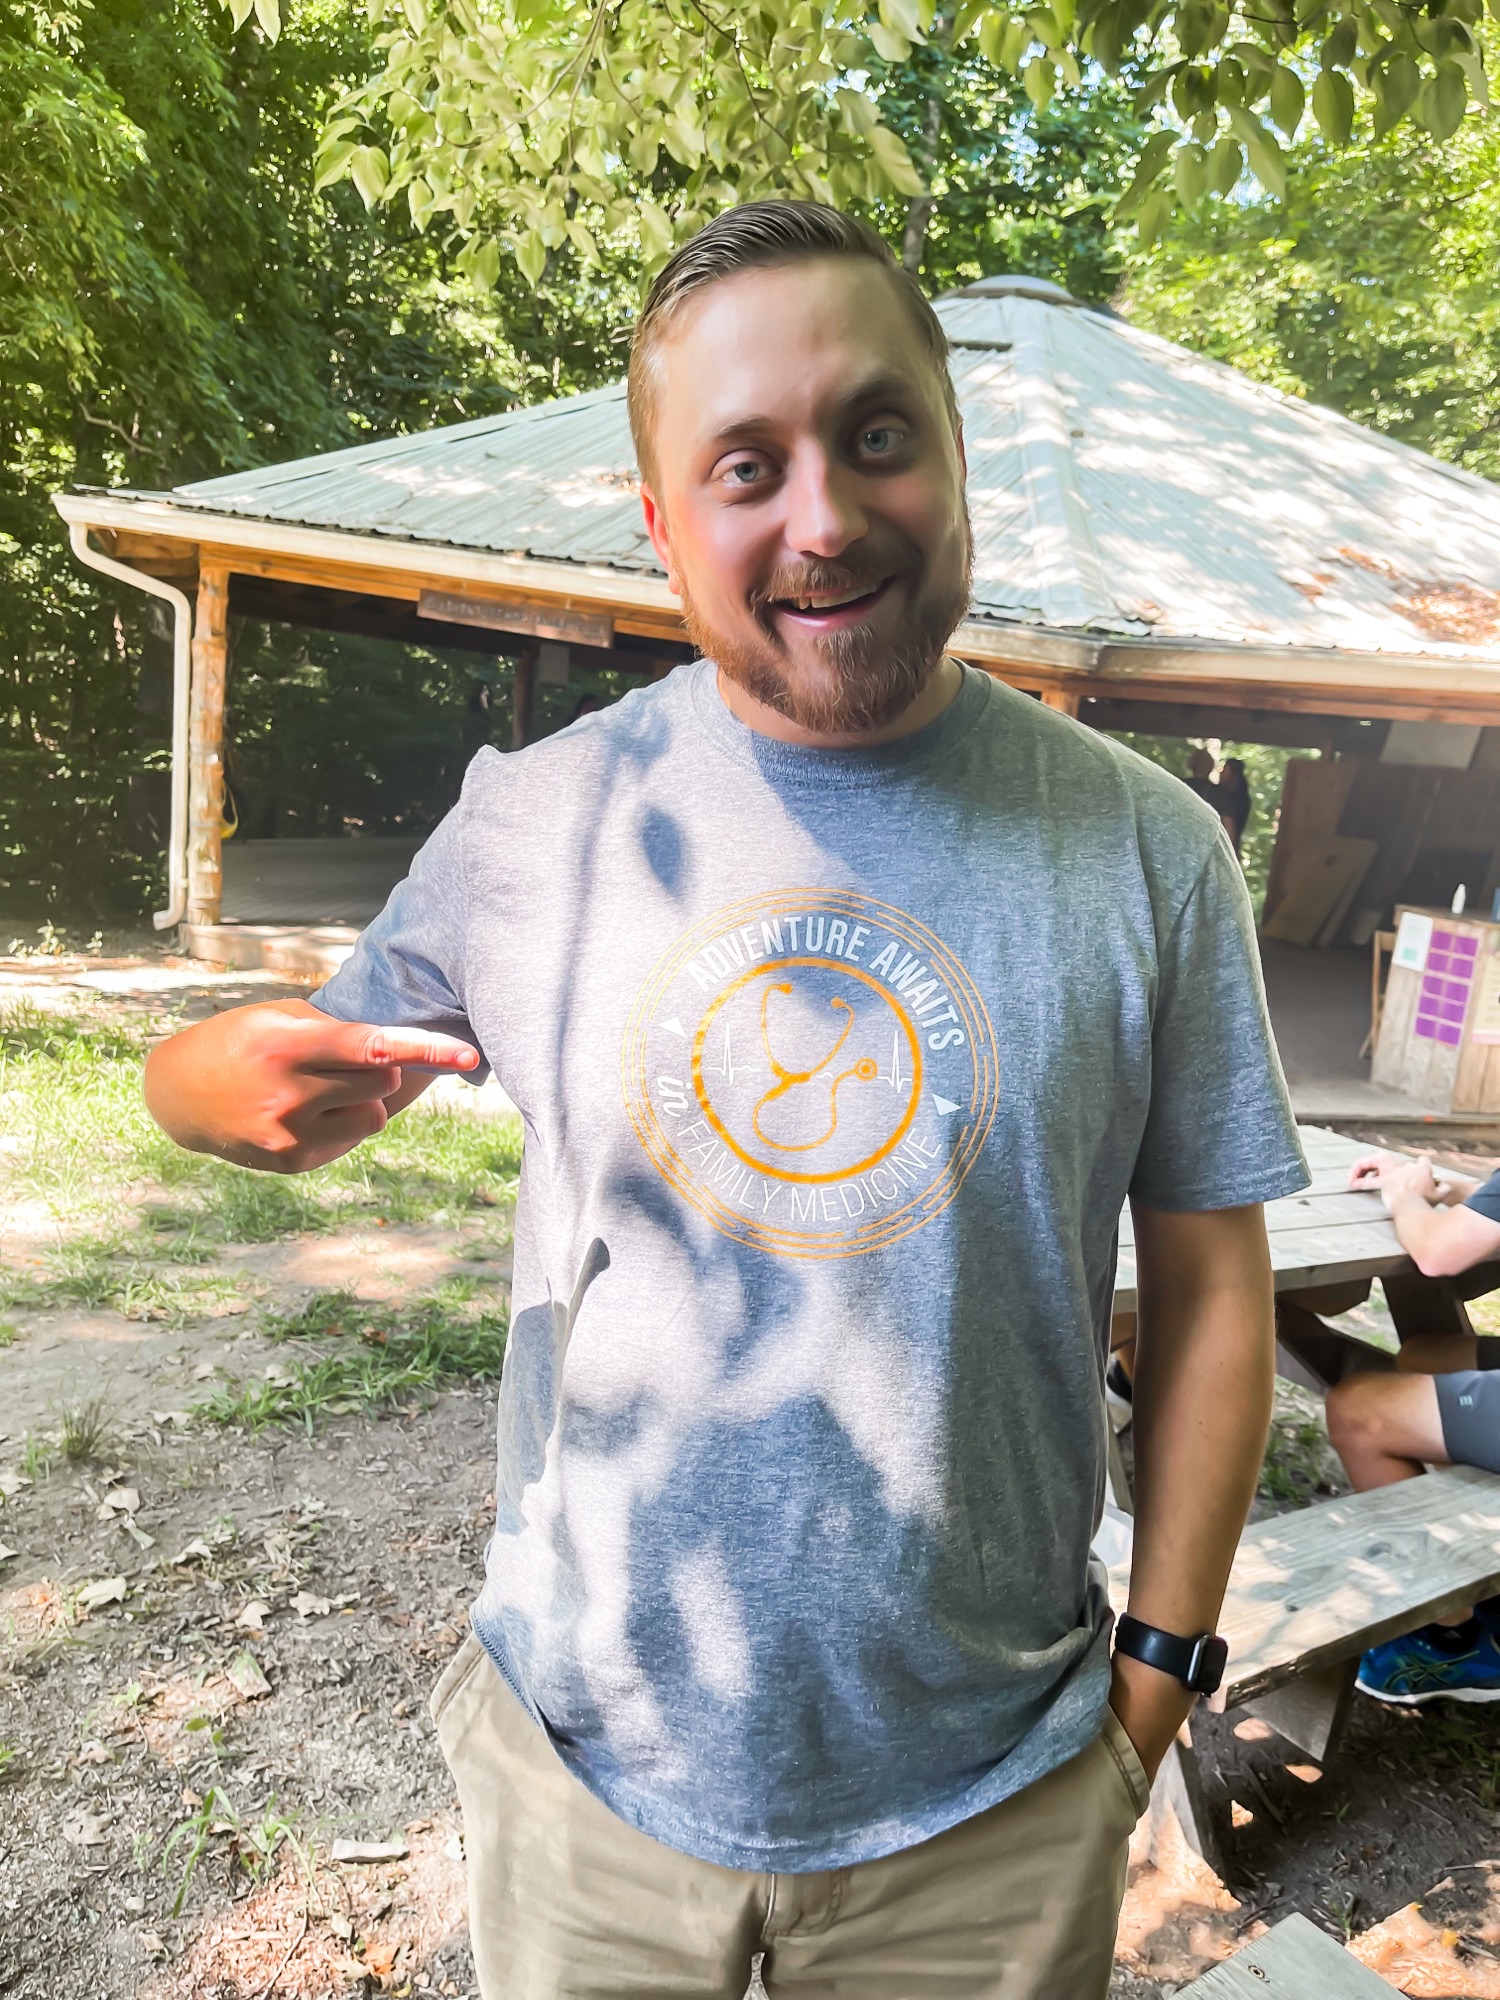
x: 1422, y: 1667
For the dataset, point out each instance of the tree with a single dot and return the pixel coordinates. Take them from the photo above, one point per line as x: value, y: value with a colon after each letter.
x: 174, y: 302
x: 522, y: 125
x: 1369, y: 288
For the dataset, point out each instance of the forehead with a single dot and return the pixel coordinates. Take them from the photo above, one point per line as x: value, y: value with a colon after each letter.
x: 791, y: 343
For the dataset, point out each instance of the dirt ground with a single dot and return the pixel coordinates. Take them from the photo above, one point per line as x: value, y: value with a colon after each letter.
x: 216, y: 1647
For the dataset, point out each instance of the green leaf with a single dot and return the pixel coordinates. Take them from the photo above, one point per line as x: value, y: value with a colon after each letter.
x: 268, y: 14
x: 1341, y: 45
x: 1440, y: 106
x: 419, y: 200
x: 889, y: 46
x: 331, y: 162
x: 531, y: 255
x: 240, y: 12
x: 656, y: 232
x: 1267, y: 163
x: 1039, y: 79
x: 1395, y: 84
x: 484, y: 265
x: 895, y: 162
x: 370, y: 173
x: 1287, y: 99
x: 1190, y: 172
x: 1226, y: 164
x: 1333, y: 106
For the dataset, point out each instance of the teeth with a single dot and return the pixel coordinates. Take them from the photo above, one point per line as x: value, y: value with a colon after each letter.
x: 830, y: 603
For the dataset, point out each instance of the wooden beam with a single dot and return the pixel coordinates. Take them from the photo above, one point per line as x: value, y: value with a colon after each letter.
x: 1066, y: 700
x: 206, y: 746
x: 521, y: 696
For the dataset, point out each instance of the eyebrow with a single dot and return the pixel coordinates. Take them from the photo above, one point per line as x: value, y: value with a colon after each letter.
x: 874, y: 389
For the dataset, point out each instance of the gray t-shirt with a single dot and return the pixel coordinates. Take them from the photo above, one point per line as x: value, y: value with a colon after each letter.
x: 836, y: 1069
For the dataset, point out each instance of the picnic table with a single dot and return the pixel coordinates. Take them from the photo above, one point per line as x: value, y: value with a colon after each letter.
x: 1324, y: 1237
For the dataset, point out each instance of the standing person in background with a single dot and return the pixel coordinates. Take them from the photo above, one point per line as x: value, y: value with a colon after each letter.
x: 1235, y: 802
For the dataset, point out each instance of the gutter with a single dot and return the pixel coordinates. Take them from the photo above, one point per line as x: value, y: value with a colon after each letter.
x: 182, y: 660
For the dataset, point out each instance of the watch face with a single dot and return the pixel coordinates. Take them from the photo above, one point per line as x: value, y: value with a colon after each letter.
x: 1213, y: 1657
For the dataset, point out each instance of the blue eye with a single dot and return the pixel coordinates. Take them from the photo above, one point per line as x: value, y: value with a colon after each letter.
x: 881, y: 439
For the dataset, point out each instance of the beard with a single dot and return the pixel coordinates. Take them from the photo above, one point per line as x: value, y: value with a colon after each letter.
x: 858, y: 680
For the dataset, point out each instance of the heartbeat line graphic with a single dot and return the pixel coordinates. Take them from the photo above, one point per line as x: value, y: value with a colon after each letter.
x: 725, y: 1064
x: 896, y: 1076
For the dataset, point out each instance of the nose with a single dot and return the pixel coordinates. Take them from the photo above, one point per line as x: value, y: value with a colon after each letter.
x: 824, y: 514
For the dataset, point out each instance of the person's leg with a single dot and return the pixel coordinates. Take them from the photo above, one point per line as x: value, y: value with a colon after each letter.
x: 1386, y: 1427
x: 567, y: 1902
x: 1019, y: 1903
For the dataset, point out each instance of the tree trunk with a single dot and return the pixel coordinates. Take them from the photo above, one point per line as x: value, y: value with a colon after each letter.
x: 919, y: 208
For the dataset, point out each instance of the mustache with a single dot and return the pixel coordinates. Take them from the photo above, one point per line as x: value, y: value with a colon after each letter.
x: 808, y: 579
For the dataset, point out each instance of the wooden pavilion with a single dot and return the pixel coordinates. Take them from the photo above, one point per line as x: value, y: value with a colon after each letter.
x: 1161, y: 545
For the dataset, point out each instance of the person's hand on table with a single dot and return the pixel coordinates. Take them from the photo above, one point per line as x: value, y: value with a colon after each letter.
x: 1394, y: 1175
x: 284, y: 1087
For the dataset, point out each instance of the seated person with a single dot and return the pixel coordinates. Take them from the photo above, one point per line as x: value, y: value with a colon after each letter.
x: 1440, y: 1406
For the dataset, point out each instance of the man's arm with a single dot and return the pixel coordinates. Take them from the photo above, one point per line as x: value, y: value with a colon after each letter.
x: 1204, y: 1372
x: 1436, y: 1231
x: 284, y: 1087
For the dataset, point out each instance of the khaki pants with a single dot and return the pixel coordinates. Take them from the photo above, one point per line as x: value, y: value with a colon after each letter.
x: 567, y: 1902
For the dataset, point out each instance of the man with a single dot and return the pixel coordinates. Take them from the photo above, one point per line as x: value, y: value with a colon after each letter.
x: 1441, y: 1406
x: 846, y: 996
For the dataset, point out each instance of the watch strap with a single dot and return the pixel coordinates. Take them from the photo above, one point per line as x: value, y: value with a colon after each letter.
x: 1197, y: 1662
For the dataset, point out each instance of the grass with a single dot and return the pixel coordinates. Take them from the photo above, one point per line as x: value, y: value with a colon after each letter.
x: 82, y: 1143
x: 381, y: 1356
x: 85, y: 1434
x: 143, y: 1217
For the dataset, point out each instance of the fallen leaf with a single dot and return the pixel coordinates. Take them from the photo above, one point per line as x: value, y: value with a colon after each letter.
x: 7, y: 1554
x: 138, y: 1535
x: 340, y: 1925
x: 86, y: 1829
x: 152, y: 1945
x: 120, y: 1500
x: 197, y: 1550
x: 307, y: 1606
x: 368, y: 1853
x: 245, y: 1676
x: 108, y: 1590
x: 94, y: 1753
x: 177, y: 1418
x: 453, y: 1847
x: 11, y: 1484
x: 253, y: 1615
x: 204, y: 1371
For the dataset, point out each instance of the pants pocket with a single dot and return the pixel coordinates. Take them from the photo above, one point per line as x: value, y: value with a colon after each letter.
x: 1127, y: 1762
x: 453, y: 1676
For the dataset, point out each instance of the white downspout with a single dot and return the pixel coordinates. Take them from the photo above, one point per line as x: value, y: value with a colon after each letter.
x: 182, y: 681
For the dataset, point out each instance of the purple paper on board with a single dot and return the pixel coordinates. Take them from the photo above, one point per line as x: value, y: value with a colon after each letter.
x: 1449, y: 1037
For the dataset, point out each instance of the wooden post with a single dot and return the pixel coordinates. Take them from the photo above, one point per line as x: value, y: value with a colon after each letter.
x: 206, y: 746
x: 521, y: 694
x: 1064, y: 700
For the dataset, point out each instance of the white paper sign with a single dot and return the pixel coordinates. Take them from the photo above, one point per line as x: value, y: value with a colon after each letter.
x: 1412, y: 941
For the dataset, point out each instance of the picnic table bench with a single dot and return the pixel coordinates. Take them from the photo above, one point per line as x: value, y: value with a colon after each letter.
x: 1311, y: 1590
x: 1295, y: 1961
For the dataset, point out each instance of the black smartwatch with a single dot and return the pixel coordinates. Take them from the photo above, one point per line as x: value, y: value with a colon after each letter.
x: 1198, y: 1663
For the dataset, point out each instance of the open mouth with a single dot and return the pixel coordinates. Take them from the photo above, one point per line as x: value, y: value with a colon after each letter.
x: 831, y: 610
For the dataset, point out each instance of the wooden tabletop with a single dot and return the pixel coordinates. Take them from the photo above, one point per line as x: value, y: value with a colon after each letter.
x: 1323, y: 1236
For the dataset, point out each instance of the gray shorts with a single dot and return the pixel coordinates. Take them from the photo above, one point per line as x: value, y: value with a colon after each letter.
x: 1469, y: 1407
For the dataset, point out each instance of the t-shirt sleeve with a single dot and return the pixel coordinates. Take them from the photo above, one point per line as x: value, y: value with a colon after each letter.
x: 407, y: 968
x: 1220, y: 1131
x: 1485, y: 1200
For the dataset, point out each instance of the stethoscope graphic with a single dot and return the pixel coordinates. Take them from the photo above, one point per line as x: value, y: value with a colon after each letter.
x: 790, y: 1079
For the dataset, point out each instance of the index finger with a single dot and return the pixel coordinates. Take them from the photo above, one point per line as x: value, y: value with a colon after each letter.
x: 401, y: 1048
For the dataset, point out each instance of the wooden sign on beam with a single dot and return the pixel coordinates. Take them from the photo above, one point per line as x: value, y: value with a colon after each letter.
x: 534, y: 621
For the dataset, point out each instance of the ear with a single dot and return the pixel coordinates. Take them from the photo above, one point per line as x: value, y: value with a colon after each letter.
x: 656, y: 528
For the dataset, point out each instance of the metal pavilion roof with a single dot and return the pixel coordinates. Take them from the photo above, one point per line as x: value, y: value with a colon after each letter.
x: 1121, y: 488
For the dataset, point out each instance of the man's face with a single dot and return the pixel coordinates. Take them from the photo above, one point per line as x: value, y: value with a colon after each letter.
x: 807, y: 497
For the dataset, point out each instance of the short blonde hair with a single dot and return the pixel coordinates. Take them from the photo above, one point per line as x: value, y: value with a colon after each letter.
x: 762, y: 235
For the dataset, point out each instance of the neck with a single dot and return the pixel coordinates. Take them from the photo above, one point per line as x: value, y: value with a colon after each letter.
x: 941, y: 687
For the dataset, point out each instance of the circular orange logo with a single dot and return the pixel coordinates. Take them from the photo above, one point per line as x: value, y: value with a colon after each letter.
x: 814, y: 1071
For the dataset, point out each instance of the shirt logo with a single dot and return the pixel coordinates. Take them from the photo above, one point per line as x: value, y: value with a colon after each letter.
x: 814, y: 1071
